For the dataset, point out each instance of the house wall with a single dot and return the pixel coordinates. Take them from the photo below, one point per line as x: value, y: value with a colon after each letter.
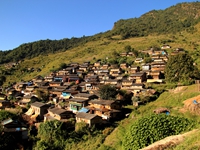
x: 84, y: 120
x: 36, y: 109
x: 95, y: 120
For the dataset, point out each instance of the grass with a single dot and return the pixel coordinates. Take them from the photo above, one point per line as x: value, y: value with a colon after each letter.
x: 169, y: 99
x: 191, y: 142
x: 103, y: 48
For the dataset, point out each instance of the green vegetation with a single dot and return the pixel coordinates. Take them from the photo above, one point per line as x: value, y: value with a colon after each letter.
x: 58, y: 135
x: 178, y: 26
x: 175, y: 19
x: 173, y: 100
x: 6, y: 114
x: 107, y: 91
x: 180, y: 69
x: 52, y: 135
x: 171, y: 20
x: 149, y: 129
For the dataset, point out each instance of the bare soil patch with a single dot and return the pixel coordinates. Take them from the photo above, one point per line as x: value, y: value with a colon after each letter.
x: 168, y: 141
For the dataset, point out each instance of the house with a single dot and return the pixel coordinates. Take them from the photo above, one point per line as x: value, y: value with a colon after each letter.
x: 4, y: 104
x: 27, y: 99
x: 43, y: 83
x: 104, y: 76
x: 85, y: 96
x: 85, y: 86
x: 137, y: 88
x: 90, y: 119
x: 3, y: 96
x: 15, y: 128
x: 111, y: 81
x: 65, y: 71
x: 80, y: 100
x: 160, y: 60
x: 124, y: 54
x: 123, y: 66
x: 57, y: 90
x: 146, y: 67
x: 55, y: 83
x: 126, y: 83
x: 58, y: 114
x: 38, y: 78
x: 101, y: 71
x: 48, y: 78
x: 75, y: 104
x: 155, y: 74
x: 120, y: 77
x: 105, y: 67
x: 92, y: 78
x: 80, y: 72
x: 73, y: 78
x: 134, y: 69
x: 164, y: 57
x: 67, y: 92
x: 115, y: 72
x: 38, y: 109
x: 165, y: 46
x: 31, y: 88
x: 60, y: 78
x: 84, y: 67
x: 107, y: 109
x: 130, y: 54
x: 97, y: 64
x: 138, y: 60
x: 74, y: 64
x: 139, y: 77
x: 20, y: 86
x: 158, y: 68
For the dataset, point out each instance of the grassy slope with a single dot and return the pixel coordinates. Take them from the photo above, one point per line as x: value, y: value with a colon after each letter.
x: 170, y: 99
x: 104, y: 47
x: 101, y: 49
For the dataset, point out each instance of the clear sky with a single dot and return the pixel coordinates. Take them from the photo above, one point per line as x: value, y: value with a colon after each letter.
x: 23, y: 21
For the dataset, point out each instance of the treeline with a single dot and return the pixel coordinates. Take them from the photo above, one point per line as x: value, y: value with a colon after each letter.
x: 174, y: 19
x: 43, y: 47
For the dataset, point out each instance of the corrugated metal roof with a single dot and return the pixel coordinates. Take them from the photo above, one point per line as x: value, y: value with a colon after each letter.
x: 7, y: 121
x: 85, y: 110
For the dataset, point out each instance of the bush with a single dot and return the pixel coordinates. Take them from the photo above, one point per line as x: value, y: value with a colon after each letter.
x: 147, y: 130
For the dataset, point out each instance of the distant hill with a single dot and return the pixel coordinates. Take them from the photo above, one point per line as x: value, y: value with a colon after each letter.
x: 174, y: 19
x: 181, y: 17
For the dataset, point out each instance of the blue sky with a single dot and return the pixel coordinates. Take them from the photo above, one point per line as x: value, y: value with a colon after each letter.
x: 23, y: 21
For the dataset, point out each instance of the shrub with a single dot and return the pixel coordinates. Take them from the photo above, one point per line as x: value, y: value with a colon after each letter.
x: 147, y: 130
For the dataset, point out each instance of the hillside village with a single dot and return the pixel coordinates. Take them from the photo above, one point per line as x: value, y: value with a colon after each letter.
x: 73, y: 92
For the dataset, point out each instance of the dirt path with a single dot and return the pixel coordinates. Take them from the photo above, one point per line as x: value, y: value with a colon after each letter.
x: 168, y: 141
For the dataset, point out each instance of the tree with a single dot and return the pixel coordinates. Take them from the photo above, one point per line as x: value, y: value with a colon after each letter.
x: 147, y: 60
x: 62, y: 66
x: 107, y: 91
x: 2, y: 80
x: 180, y: 68
x: 128, y: 48
x: 42, y: 95
x: 52, y: 133
x: 6, y: 114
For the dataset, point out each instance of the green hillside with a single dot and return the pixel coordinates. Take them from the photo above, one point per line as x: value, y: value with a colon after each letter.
x: 100, y: 49
x: 177, y: 26
x: 173, y: 100
x: 175, y: 19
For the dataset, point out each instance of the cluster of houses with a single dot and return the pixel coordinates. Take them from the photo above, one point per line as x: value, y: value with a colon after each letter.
x: 73, y: 91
